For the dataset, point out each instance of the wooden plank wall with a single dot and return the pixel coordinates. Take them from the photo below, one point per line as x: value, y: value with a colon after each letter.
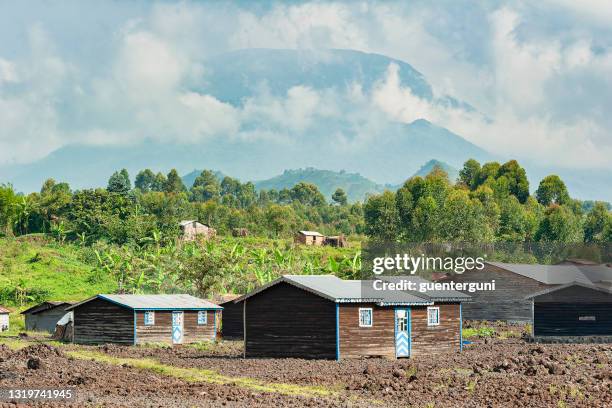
x: 507, y: 302
x: 232, y: 325
x: 161, y: 331
x: 433, y: 339
x: 378, y: 340
x: 285, y: 321
x: 562, y: 319
x: 100, y: 321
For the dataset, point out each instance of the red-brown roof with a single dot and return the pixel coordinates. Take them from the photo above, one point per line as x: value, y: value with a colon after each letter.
x: 4, y: 310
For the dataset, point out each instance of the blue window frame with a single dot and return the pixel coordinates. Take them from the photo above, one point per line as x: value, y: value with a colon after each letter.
x: 433, y: 316
x: 365, y: 317
x: 149, y: 318
x: 202, y: 317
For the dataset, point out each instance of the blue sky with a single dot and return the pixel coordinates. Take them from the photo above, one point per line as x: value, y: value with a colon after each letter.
x: 539, y: 73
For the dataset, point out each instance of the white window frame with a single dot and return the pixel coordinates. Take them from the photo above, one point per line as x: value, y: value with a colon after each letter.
x: 205, y: 320
x: 437, y: 309
x: 151, y: 321
x: 369, y: 309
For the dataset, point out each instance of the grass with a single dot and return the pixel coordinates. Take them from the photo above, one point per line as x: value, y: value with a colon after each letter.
x: 32, y: 270
x: 482, y: 331
x: 201, y: 375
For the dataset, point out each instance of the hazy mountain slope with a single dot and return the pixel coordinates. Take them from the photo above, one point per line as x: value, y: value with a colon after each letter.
x: 429, y: 166
x: 354, y: 184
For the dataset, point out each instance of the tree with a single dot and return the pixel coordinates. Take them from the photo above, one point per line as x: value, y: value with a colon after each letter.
x: 339, y: 197
x: 560, y: 224
x: 596, y: 223
x: 307, y: 194
x: 279, y: 218
x: 463, y: 219
x: 468, y: 175
x: 381, y: 217
x: 552, y: 190
x: 159, y: 183
x: 173, y: 183
x: 205, y: 187
x: 518, y: 185
x: 8, y: 207
x: 488, y: 170
x: 145, y: 181
x: 119, y: 182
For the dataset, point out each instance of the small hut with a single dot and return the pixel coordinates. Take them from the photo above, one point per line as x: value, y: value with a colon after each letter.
x: 309, y: 238
x: 240, y: 232
x: 338, y: 241
x: 191, y: 229
x: 44, y: 316
x: 137, y: 319
x: 4, y: 318
x: 575, y: 310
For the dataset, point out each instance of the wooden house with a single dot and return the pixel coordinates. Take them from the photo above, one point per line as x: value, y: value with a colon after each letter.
x: 4, y: 318
x: 514, y: 282
x: 191, y: 229
x: 309, y: 238
x: 44, y: 316
x: 338, y: 241
x: 324, y: 317
x: 136, y: 319
x: 575, y: 309
x: 231, y: 318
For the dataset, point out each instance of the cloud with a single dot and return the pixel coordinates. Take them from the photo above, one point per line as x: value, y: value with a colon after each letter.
x: 538, y: 76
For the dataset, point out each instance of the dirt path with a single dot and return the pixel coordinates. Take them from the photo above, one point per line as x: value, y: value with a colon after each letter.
x: 497, y: 373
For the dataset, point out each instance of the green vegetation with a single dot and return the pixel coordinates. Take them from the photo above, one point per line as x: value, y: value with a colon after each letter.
x: 482, y: 331
x: 488, y: 203
x: 32, y: 270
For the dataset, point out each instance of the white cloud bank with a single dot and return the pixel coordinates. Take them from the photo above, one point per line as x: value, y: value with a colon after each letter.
x: 148, y: 83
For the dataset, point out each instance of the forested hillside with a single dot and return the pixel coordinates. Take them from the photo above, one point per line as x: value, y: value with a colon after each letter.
x: 64, y: 243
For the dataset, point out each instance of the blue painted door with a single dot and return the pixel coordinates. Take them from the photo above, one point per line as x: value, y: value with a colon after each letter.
x: 177, y: 327
x: 402, y: 333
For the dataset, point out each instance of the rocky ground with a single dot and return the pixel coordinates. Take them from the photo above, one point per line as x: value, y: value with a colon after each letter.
x: 488, y: 373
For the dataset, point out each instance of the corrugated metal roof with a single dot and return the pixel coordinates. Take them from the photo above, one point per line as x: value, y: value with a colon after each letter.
x: 559, y: 274
x: 351, y: 291
x: 44, y: 306
x: 599, y: 287
x: 157, y: 302
x: 311, y: 233
x: 186, y: 222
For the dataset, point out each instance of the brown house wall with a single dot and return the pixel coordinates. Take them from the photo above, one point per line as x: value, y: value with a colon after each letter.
x: 433, y: 339
x: 99, y: 322
x: 285, y: 321
x: 378, y: 340
x: 161, y: 331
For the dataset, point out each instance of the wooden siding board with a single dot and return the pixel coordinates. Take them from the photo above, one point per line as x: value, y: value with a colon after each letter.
x: 507, y: 302
x: 285, y: 321
x: 231, y: 321
x: 100, y: 321
x: 378, y: 340
x: 432, y: 339
x: 562, y: 319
